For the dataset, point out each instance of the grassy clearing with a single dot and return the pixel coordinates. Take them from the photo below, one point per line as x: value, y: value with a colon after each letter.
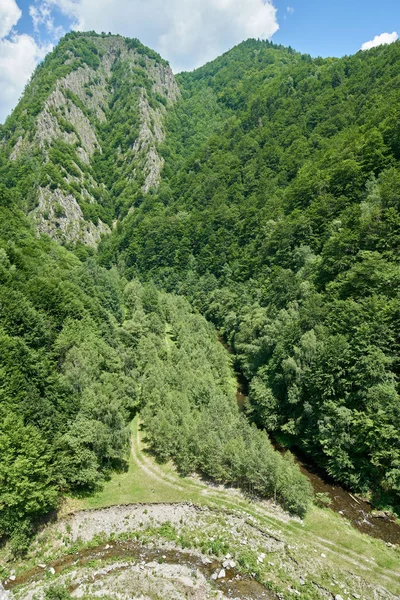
x: 322, y: 531
x: 137, y: 484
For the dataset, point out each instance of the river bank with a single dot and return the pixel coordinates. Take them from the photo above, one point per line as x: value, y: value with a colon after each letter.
x: 355, y: 510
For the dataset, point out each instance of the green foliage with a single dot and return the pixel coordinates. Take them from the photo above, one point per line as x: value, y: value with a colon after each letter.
x: 135, y: 44
x: 190, y: 413
x: 68, y: 388
x: 102, y: 184
x: 278, y: 217
x: 57, y: 592
x: 27, y: 486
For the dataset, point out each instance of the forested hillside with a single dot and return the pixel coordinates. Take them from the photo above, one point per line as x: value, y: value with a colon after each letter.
x: 278, y: 217
x: 82, y: 352
x: 83, y: 348
x: 265, y: 188
x: 83, y: 139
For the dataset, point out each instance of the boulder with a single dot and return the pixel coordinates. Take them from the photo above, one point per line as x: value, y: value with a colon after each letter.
x: 221, y: 574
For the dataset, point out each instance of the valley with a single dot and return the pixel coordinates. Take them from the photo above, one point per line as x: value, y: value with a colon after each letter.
x: 145, y: 217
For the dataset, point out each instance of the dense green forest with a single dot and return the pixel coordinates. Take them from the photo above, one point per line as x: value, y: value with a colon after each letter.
x: 276, y: 218
x: 82, y: 351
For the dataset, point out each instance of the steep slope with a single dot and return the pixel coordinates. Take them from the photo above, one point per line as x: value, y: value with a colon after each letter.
x: 83, y: 350
x: 94, y: 101
x: 266, y: 191
x: 278, y: 215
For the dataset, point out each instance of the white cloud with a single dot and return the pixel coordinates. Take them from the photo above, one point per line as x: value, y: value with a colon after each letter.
x: 290, y: 10
x: 9, y: 16
x: 41, y: 15
x: 188, y: 33
x: 19, y: 55
x: 384, y: 38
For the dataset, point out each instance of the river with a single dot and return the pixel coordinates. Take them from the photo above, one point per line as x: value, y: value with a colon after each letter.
x: 357, y: 511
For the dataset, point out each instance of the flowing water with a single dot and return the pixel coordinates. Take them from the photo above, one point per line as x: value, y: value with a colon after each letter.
x: 358, y: 512
x: 233, y: 585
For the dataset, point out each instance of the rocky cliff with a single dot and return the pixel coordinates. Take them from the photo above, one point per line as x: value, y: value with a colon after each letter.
x: 95, y: 100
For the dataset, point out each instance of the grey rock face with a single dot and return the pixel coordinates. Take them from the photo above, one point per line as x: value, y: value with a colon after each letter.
x: 60, y: 216
x: 72, y: 113
x: 5, y: 595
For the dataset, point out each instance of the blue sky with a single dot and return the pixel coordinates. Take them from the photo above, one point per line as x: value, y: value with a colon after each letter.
x: 188, y: 33
x: 334, y: 28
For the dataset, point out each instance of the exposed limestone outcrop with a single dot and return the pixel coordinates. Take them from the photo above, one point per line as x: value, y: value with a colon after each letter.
x: 60, y: 216
x: 72, y: 113
x: 145, y: 147
x: 164, y: 82
x: 48, y: 127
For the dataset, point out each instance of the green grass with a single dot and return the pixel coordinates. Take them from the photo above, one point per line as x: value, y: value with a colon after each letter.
x: 322, y: 531
x: 349, y: 554
x: 136, y: 485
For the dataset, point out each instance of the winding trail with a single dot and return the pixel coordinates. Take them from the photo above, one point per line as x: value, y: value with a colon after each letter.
x: 149, y: 466
x: 270, y: 517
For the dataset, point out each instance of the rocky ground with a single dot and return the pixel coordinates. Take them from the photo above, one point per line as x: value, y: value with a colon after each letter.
x: 175, y: 551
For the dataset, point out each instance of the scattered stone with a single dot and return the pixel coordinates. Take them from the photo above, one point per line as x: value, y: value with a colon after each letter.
x: 4, y: 595
x: 207, y: 561
x: 229, y: 564
x: 228, y: 556
x: 357, y: 596
x: 302, y: 582
x: 379, y: 514
x: 323, y: 555
x: 41, y: 566
x: 214, y: 576
x: 338, y: 597
x: 221, y: 574
x: 52, y: 570
x: 12, y: 578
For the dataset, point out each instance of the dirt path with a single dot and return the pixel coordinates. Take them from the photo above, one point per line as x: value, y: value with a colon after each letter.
x: 323, y: 545
x: 227, y: 495
x: 149, y: 466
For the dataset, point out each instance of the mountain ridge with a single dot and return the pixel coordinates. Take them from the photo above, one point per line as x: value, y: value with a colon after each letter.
x: 69, y: 121
x: 263, y: 187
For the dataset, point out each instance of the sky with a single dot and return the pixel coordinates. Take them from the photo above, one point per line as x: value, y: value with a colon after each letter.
x: 188, y: 33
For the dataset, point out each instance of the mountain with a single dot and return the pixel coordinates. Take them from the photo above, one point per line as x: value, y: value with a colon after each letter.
x: 278, y: 217
x: 91, y: 117
x: 263, y: 187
